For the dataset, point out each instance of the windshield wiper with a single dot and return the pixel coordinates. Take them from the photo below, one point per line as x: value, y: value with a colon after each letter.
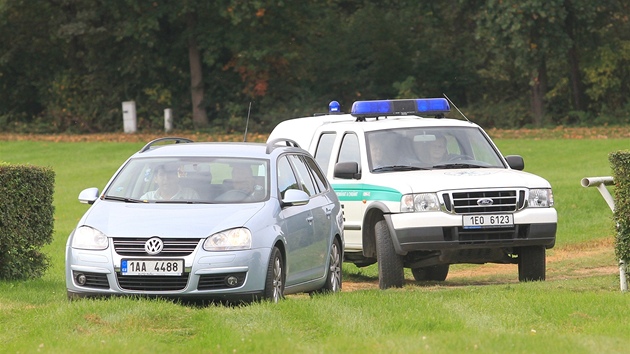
x: 122, y: 199
x: 459, y: 165
x: 398, y: 168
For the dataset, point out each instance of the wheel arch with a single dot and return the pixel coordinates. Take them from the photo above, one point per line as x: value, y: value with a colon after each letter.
x: 374, y: 213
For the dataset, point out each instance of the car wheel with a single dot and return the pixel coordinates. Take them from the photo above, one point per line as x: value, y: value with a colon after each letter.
x: 531, y: 263
x: 274, y: 284
x: 390, y: 264
x: 333, y: 277
x: 435, y: 273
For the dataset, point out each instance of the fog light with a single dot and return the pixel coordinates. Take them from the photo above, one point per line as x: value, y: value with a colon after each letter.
x: 81, y: 279
x: 231, y: 280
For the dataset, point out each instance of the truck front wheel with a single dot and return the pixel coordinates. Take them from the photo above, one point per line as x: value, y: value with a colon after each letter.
x: 531, y: 263
x: 390, y: 264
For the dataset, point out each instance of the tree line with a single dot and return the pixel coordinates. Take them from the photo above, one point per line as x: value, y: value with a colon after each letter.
x: 67, y: 65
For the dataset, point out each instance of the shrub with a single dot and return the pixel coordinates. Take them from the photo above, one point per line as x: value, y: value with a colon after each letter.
x: 26, y: 220
x: 620, y: 164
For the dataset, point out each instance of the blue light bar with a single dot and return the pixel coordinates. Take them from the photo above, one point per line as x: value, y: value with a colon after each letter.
x: 380, y: 108
x: 334, y: 107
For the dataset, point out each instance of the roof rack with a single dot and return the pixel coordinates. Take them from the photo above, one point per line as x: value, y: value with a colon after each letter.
x: 176, y: 140
x: 275, y: 142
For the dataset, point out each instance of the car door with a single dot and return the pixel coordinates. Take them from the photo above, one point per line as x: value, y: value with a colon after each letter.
x: 321, y: 208
x: 297, y: 224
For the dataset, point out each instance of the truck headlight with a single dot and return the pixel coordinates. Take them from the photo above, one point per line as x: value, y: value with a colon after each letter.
x: 88, y: 238
x: 229, y: 240
x: 540, y: 198
x: 419, y: 202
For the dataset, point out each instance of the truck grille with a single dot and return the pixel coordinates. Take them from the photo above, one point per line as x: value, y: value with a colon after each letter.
x: 173, y: 247
x: 472, y: 202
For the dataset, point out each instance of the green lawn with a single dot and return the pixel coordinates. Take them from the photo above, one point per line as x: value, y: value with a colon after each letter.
x: 577, y: 314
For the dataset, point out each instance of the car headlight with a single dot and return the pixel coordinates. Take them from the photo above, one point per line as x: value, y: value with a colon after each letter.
x: 419, y: 202
x: 540, y: 198
x: 88, y: 238
x: 229, y: 240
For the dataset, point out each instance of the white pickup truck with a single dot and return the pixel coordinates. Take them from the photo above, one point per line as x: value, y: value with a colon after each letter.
x: 421, y: 191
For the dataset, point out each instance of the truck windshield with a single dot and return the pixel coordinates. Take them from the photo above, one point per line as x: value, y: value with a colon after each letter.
x: 430, y: 148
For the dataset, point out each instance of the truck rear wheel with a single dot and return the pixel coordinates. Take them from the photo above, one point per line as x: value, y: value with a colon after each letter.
x: 390, y: 264
x: 531, y: 263
x: 435, y: 273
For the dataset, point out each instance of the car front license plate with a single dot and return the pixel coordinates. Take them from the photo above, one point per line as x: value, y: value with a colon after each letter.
x: 487, y: 221
x: 152, y: 267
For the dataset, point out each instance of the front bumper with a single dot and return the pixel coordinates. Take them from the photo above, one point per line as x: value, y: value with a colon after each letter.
x: 236, y: 275
x: 440, y: 231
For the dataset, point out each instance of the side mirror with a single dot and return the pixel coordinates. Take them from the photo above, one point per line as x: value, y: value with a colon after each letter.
x: 89, y: 195
x: 293, y: 197
x: 347, y: 170
x: 515, y: 162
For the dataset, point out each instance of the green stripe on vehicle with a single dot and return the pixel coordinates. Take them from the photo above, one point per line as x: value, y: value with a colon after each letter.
x: 358, y: 192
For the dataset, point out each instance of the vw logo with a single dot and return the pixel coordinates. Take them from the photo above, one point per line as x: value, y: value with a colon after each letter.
x: 154, y: 246
x: 484, y: 202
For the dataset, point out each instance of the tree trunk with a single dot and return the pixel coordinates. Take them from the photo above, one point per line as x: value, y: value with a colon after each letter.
x: 577, y: 88
x: 539, y: 89
x: 199, y: 116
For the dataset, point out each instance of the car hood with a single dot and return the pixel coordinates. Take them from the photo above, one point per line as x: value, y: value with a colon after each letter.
x: 118, y: 219
x: 449, y: 179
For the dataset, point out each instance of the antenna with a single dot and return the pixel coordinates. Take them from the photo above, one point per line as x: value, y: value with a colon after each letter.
x: 460, y: 112
x: 247, y: 122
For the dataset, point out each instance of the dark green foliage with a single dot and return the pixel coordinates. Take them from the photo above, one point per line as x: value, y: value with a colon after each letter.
x: 26, y: 220
x: 67, y: 66
x: 620, y: 164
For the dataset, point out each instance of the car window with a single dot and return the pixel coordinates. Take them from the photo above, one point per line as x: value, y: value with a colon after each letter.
x: 198, y: 179
x: 349, y: 150
x: 286, y: 177
x: 324, y: 149
x: 318, y: 175
x: 303, y: 175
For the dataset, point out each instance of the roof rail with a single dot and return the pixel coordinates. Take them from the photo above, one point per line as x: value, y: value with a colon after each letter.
x: 274, y: 143
x: 176, y: 140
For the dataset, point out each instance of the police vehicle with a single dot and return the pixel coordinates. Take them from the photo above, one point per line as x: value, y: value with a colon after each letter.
x: 421, y: 191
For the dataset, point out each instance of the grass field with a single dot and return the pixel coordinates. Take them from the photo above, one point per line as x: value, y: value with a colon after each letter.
x: 579, y: 309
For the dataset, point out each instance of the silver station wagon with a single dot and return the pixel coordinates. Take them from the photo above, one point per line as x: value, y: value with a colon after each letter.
x: 209, y: 221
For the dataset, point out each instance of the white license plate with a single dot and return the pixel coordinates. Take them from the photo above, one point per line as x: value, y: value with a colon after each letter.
x: 487, y: 221
x: 152, y: 267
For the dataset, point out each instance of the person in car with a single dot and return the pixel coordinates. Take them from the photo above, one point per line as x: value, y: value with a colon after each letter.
x: 168, y: 186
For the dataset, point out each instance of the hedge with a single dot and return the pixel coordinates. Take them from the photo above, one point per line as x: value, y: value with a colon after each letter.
x: 26, y: 220
x: 620, y: 164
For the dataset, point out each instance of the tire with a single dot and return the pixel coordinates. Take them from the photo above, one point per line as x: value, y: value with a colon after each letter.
x: 334, y: 274
x: 274, y: 284
x: 531, y: 263
x: 390, y: 264
x: 434, y: 273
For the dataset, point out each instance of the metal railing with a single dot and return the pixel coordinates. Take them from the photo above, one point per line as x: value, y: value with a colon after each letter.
x: 601, y: 183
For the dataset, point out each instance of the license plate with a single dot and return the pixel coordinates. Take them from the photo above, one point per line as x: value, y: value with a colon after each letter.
x: 152, y: 267
x: 487, y: 221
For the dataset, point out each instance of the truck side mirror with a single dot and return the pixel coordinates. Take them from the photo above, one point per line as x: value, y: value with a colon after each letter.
x: 347, y: 170
x: 515, y: 162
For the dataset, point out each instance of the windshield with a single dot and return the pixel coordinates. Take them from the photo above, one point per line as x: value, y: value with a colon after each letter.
x: 430, y: 148
x: 191, y: 180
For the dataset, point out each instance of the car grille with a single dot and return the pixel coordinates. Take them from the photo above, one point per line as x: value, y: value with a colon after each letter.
x: 466, y: 202
x: 173, y: 247
x: 218, y: 281
x: 152, y: 282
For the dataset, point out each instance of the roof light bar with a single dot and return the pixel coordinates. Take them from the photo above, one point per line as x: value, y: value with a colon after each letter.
x: 421, y: 106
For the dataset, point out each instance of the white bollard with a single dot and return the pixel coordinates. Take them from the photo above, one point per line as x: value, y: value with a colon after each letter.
x: 129, y: 116
x: 168, y: 120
